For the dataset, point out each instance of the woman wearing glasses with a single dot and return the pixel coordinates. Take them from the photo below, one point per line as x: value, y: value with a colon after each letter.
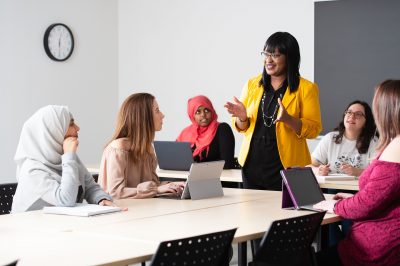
x: 277, y: 111
x: 351, y: 146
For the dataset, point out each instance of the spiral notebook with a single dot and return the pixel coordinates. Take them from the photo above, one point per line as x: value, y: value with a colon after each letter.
x: 81, y: 209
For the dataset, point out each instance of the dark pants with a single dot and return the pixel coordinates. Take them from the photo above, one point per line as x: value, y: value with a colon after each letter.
x: 329, y: 257
x: 248, y: 184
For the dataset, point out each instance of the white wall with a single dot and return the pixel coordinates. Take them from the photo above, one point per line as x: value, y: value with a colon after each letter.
x: 177, y: 49
x: 87, y: 82
x: 174, y: 49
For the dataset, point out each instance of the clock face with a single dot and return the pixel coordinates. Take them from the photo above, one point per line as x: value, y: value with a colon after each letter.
x: 58, y: 42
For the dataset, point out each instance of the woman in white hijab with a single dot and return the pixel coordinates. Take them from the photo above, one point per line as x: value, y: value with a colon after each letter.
x: 49, y: 172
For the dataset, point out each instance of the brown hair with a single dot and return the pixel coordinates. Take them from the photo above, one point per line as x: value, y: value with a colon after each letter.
x: 136, y: 123
x: 386, y: 106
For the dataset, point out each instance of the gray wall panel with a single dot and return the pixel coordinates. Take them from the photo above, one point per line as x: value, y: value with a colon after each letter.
x: 357, y: 45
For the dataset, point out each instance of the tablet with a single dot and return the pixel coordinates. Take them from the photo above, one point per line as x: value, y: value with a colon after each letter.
x: 302, y: 186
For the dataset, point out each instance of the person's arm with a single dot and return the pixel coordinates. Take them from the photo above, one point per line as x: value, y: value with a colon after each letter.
x: 93, y: 192
x: 64, y: 193
x: 382, y: 189
x: 308, y: 125
x: 238, y: 110
x: 293, y: 122
x: 226, y: 142
x: 351, y: 170
x: 320, y: 156
x: 115, y: 169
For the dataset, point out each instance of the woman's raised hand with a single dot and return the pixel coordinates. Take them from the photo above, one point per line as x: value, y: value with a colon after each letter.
x: 236, y: 109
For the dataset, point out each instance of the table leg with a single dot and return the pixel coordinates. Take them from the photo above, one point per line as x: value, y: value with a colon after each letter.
x: 242, y: 254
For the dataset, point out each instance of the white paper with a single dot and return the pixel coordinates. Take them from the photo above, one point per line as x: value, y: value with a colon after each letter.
x: 81, y: 209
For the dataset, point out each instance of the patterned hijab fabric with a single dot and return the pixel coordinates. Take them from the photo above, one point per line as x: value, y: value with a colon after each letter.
x: 199, y: 137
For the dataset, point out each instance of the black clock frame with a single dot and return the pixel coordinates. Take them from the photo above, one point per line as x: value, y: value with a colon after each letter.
x: 46, y: 42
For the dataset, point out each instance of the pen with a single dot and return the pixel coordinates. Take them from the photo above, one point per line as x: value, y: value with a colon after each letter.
x: 321, y: 163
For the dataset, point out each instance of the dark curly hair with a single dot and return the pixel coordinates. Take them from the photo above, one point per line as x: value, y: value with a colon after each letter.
x: 368, y: 132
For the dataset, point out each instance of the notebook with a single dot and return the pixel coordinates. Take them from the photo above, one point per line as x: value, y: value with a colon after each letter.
x: 81, y: 209
x: 203, y: 182
x: 335, y: 177
x: 300, y: 189
x: 173, y: 155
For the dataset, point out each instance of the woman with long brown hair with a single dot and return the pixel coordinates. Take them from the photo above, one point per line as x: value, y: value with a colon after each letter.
x: 128, y: 165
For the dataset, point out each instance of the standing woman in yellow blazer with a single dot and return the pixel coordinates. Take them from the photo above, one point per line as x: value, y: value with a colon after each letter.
x: 277, y: 111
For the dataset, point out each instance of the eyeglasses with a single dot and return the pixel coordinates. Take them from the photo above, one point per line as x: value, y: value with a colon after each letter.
x: 271, y: 55
x: 357, y: 115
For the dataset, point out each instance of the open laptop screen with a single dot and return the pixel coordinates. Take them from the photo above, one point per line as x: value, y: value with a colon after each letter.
x: 303, y: 186
x: 173, y: 155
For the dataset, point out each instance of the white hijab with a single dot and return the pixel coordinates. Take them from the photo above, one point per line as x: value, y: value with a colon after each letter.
x: 39, y: 151
x: 41, y: 140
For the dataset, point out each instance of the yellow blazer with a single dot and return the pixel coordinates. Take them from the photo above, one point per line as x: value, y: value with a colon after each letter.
x: 303, y: 104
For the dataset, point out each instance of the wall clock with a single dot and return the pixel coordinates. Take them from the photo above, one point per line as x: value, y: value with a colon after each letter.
x: 58, y: 42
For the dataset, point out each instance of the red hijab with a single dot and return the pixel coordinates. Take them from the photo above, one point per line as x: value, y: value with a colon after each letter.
x: 195, y: 134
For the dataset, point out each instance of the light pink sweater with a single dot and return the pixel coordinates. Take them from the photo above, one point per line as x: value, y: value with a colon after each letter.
x: 121, y: 178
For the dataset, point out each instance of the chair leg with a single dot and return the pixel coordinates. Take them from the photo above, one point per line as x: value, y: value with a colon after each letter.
x: 313, y: 257
x: 242, y: 254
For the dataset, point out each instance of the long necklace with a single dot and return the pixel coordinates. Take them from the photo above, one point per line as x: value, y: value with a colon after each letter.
x: 269, y: 120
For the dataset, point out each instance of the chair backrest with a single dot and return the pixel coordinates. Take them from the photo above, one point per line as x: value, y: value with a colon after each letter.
x: 237, y: 164
x: 288, y: 241
x: 210, y: 249
x: 95, y: 177
x: 7, y: 192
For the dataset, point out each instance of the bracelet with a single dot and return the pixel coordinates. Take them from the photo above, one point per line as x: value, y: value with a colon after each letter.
x: 243, y: 120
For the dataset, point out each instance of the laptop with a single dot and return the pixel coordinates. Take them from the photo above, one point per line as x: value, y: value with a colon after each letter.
x: 203, y: 182
x: 173, y: 155
x: 300, y: 189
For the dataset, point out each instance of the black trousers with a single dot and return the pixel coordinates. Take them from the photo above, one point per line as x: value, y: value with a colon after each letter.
x: 329, y: 257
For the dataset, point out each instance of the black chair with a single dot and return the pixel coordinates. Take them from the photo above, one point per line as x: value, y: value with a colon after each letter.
x: 237, y: 165
x: 7, y: 192
x: 14, y: 263
x: 210, y: 249
x: 95, y: 177
x: 288, y: 242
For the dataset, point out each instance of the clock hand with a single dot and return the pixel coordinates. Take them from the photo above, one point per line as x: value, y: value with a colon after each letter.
x: 59, y: 46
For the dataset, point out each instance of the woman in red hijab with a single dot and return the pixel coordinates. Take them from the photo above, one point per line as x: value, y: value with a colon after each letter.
x: 210, y: 140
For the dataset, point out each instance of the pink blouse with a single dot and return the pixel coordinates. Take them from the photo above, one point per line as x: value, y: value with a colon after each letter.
x: 121, y: 178
x: 374, y: 238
